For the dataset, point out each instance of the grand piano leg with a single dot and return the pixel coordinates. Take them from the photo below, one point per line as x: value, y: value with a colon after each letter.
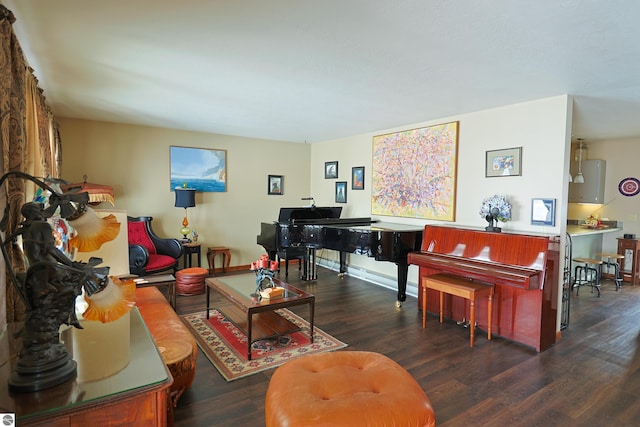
x: 309, y: 272
x: 343, y: 264
x: 403, y: 273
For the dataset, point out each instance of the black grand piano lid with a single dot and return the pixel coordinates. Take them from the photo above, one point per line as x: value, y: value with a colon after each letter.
x: 287, y: 214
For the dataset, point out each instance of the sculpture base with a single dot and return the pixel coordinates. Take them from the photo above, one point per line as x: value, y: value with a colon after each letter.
x: 36, y: 379
x: 493, y: 229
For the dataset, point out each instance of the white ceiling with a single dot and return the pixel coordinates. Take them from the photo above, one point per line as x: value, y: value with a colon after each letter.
x: 302, y: 70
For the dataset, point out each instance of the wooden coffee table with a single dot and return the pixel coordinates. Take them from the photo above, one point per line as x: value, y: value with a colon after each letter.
x: 258, y: 319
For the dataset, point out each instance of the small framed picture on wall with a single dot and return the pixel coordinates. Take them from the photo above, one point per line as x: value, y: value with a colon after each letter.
x: 357, y: 178
x: 274, y: 185
x: 543, y: 212
x: 341, y: 192
x: 504, y: 162
x: 330, y: 170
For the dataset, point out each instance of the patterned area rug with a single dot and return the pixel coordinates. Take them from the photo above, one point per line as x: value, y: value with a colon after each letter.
x: 226, y: 346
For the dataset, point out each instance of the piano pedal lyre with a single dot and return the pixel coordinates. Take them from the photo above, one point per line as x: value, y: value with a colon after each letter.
x: 464, y: 323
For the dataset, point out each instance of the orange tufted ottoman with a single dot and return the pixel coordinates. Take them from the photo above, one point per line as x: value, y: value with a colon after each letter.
x: 346, y: 388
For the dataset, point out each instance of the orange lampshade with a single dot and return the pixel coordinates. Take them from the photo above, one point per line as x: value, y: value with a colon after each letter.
x: 98, y: 193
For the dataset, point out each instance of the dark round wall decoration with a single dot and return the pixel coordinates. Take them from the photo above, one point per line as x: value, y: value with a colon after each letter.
x: 629, y: 187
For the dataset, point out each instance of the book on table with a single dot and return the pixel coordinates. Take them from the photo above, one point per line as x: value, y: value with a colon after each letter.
x: 270, y: 293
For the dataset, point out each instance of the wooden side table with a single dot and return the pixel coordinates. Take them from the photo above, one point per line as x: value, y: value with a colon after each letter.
x: 630, y: 273
x: 211, y: 258
x: 188, y: 249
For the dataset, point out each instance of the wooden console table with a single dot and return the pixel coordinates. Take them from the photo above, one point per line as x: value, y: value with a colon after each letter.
x: 137, y: 395
x: 630, y: 273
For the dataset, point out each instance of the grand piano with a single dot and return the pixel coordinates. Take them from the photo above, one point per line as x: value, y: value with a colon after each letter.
x: 312, y: 228
x: 523, y: 268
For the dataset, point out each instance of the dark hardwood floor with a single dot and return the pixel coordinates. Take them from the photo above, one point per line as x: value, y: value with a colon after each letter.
x: 590, y: 377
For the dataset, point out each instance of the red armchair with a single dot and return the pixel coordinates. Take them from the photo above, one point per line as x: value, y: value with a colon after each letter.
x: 149, y: 253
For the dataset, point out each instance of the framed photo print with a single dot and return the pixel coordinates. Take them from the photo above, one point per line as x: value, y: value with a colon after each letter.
x: 543, y: 212
x: 330, y: 170
x: 341, y: 192
x: 503, y: 162
x: 357, y: 178
x: 274, y: 185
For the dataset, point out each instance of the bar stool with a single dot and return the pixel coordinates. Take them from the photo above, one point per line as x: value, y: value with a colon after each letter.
x: 587, y: 274
x: 612, y: 260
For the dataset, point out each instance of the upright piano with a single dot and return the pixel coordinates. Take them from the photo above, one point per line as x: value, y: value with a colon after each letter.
x: 523, y: 268
x: 312, y: 228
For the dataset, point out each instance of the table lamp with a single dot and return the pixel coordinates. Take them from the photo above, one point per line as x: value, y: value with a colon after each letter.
x: 185, y: 198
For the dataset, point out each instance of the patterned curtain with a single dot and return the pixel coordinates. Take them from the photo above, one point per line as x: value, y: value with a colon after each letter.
x: 29, y: 142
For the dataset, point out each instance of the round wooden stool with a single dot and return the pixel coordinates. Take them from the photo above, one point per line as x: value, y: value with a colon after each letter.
x: 190, y: 281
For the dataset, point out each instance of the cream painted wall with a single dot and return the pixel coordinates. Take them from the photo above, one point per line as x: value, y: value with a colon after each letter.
x: 541, y: 128
x: 135, y: 161
x: 622, y: 157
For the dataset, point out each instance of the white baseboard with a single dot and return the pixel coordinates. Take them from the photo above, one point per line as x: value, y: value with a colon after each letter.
x: 370, y: 276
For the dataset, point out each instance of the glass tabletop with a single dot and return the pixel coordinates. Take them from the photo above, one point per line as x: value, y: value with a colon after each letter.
x: 242, y: 288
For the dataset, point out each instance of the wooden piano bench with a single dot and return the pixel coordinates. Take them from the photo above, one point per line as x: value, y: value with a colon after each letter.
x: 461, y: 287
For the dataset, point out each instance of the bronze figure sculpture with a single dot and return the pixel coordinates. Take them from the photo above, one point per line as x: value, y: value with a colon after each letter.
x: 48, y: 289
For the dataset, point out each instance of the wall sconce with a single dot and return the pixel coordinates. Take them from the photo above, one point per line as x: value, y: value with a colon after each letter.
x: 185, y: 198
x: 579, y: 179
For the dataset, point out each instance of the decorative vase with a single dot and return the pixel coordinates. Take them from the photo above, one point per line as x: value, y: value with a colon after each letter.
x: 264, y: 270
x: 264, y: 279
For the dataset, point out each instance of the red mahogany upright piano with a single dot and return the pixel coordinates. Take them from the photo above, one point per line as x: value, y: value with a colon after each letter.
x: 523, y: 268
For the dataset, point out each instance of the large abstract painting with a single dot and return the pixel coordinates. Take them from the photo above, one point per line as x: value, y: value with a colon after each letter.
x: 200, y: 168
x: 414, y: 173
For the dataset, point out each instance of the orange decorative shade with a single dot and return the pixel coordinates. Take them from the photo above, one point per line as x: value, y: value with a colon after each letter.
x: 92, y: 231
x: 98, y: 193
x: 117, y: 299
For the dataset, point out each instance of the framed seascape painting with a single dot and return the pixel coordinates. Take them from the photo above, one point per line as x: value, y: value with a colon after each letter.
x: 414, y: 173
x: 204, y: 169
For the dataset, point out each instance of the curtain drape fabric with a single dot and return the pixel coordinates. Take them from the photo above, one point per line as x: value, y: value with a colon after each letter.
x: 29, y: 141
